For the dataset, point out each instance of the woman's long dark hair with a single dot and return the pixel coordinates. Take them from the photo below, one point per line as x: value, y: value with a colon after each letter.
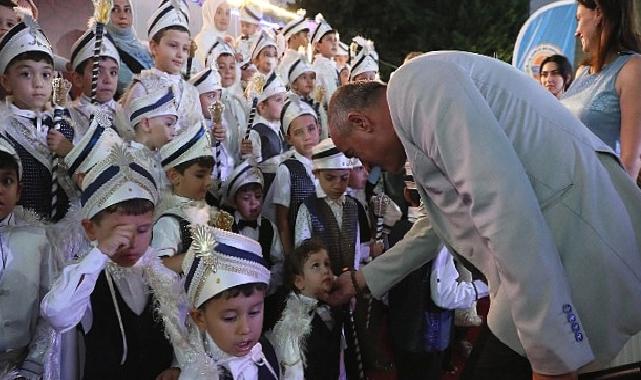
x: 617, y: 30
x: 565, y: 68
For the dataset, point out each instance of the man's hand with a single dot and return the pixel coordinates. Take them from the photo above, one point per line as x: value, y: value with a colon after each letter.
x: 246, y: 147
x: 218, y: 132
x: 58, y: 143
x: 342, y: 289
x: 169, y: 374
x: 120, y: 238
x: 567, y: 376
x: 376, y: 249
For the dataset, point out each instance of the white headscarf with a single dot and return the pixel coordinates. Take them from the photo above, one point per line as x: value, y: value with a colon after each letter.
x: 209, y: 33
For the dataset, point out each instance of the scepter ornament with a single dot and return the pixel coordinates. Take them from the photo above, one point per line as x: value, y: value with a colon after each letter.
x: 102, y: 10
x: 216, y: 110
x: 60, y: 93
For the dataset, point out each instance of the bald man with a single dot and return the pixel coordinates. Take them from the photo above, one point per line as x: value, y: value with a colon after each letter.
x: 519, y: 187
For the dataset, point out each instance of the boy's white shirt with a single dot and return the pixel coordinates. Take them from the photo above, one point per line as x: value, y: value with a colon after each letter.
x: 303, y: 229
x: 37, y: 132
x: 235, y: 116
x: 68, y: 302
x: 276, y: 250
x: 326, y: 75
x: 286, y: 62
x: 446, y: 291
x: 166, y: 234
x: 23, y: 232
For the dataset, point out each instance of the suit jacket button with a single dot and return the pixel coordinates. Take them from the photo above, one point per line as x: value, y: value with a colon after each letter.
x: 567, y: 308
x: 571, y: 317
x: 578, y: 336
x: 576, y: 327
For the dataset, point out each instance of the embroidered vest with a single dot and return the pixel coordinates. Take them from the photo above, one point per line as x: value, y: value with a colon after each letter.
x: 148, y: 351
x: 340, y: 242
x: 301, y: 187
x: 36, y: 185
x: 271, y: 144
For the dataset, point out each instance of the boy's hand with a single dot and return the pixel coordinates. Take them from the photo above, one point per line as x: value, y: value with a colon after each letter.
x: 246, y: 147
x: 120, y: 238
x: 218, y: 132
x: 58, y: 143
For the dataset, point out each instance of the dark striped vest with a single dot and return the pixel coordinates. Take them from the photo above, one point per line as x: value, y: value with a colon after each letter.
x: 301, y: 187
x: 271, y: 143
x: 340, y: 242
x: 36, y: 185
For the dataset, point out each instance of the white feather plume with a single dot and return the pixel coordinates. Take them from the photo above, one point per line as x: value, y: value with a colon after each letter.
x: 319, y: 18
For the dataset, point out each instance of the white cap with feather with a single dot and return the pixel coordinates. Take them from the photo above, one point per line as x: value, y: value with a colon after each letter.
x: 322, y: 28
x: 364, y: 57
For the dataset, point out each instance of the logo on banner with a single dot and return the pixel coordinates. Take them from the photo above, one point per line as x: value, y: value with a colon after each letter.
x: 536, y: 55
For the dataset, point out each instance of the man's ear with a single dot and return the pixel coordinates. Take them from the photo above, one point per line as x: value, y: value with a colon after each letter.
x: 360, y: 121
x: 4, y: 81
x: 199, y: 318
x: 90, y: 229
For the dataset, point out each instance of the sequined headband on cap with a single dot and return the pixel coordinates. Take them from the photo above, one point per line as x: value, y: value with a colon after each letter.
x: 364, y: 57
x: 191, y: 144
x: 293, y: 109
x: 94, y: 146
x: 207, y: 81
x: 325, y: 155
x: 83, y: 48
x: 250, y: 13
x: 241, y: 175
x: 159, y: 103
x: 298, y: 68
x: 322, y: 28
x: 265, y: 40
x: 296, y: 25
x: 116, y: 179
x: 23, y: 37
x: 7, y: 147
x: 169, y: 13
x: 219, y: 260
x: 218, y: 48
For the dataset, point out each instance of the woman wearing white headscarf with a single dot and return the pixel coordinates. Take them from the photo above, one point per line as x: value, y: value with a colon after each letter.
x: 134, y: 54
x: 216, y: 20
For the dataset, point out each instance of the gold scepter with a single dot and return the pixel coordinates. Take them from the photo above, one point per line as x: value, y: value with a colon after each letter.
x: 216, y: 110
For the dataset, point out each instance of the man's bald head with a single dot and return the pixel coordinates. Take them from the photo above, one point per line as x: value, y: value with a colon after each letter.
x: 361, y: 125
x: 358, y: 96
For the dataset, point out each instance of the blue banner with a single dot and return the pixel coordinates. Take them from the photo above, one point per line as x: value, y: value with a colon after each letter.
x: 550, y: 30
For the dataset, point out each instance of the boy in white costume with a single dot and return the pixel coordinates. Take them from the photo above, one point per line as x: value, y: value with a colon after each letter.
x: 107, y: 291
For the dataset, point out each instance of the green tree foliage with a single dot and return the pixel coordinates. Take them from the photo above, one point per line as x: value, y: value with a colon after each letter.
x: 398, y: 27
